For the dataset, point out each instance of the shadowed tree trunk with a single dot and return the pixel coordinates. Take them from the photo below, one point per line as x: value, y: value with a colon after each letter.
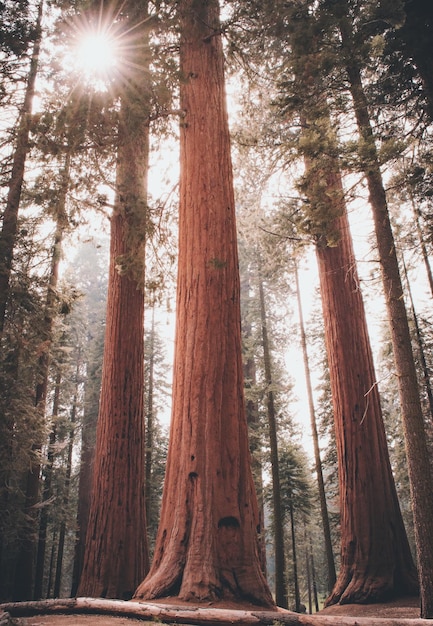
x: 420, y: 474
x: 376, y: 561
x: 375, y: 557
x: 207, y: 543
x: 116, y: 551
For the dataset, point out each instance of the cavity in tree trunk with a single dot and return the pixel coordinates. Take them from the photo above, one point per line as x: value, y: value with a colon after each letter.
x: 207, y: 542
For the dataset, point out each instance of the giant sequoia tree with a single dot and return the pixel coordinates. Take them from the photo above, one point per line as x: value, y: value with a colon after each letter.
x: 115, y: 558
x: 207, y: 543
x: 376, y: 561
x: 375, y: 557
x: 413, y: 424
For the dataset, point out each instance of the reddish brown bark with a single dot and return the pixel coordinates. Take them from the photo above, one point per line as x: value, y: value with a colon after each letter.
x: 207, y: 544
x: 375, y: 557
x: 116, y: 557
x: 417, y: 452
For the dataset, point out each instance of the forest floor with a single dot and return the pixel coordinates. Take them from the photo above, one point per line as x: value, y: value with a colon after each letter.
x: 401, y: 612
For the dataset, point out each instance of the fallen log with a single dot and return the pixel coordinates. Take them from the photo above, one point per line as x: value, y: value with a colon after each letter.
x: 195, y: 614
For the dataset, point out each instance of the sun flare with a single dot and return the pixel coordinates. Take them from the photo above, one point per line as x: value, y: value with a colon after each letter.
x: 96, y: 56
x: 96, y: 53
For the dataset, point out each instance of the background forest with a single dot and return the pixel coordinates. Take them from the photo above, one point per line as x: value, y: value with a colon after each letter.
x: 330, y: 108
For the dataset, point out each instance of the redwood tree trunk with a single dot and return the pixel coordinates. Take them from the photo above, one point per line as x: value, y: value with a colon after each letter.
x: 420, y: 474
x: 207, y: 544
x: 375, y: 557
x: 116, y: 551
x: 116, y: 545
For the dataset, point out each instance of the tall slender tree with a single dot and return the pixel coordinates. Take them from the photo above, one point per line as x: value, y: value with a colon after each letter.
x: 278, y: 525
x: 207, y: 544
x: 317, y: 460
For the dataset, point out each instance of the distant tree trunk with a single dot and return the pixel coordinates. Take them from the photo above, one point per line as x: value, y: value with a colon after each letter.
x: 425, y: 256
x: 207, y: 546
x: 313, y: 577
x: 67, y: 485
x: 308, y: 570
x: 279, y: 543
x: 116, y: 552
x: 46, y: 494
x: 318, y: 463
x: 295, y: 557
x: 10, y: 215
x: 51, y: 566
x: 250, y: 378
x: 150, y: 423
x: 420, y: 473
x: 421, y: 350
x: 25, y: 569
x: 88, y: 442
x: 375, y: 555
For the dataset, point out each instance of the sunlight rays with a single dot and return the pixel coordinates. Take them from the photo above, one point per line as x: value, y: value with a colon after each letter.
x: 105, y: 50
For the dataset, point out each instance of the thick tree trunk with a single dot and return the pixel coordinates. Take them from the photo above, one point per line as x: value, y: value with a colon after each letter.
x: 375, y: 557
x: 116, y: 550
x: 116, y: 559
x: 420, y: 474
x: 317, y: 460
x: 10, y: 215
x: 207, y: 546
